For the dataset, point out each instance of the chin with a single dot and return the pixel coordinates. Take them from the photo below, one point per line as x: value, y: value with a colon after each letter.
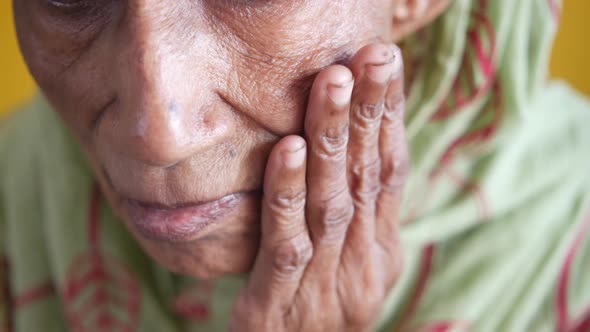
x: 204, y: 259
x: 228, y: 246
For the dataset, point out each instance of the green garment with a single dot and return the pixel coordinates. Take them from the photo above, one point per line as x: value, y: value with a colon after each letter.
x: 496, y: 220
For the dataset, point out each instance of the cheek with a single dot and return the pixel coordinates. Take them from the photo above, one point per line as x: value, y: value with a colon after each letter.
x: 274, y: 97
x: 277, y: 61
x: 57, y: 53
x: 52, y: 43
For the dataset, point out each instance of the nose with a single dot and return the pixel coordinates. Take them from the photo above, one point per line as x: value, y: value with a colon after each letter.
x: 166, y: 109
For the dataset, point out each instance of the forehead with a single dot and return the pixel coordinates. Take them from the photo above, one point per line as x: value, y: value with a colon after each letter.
x: 259, y: 34
x: 301, y: 20
x: 286, y: 22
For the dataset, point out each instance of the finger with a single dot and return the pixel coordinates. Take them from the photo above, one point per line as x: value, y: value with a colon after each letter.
x: 393, y: 151
x: 373, y: 65
x: 285, y: 247
x: 329, y: 205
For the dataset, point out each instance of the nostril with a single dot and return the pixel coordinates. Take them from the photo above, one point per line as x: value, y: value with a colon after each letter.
x: 163, y: 132
x: 172, y: 107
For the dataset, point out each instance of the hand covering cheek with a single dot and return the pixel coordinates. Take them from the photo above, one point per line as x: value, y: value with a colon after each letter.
x: 496, y: 211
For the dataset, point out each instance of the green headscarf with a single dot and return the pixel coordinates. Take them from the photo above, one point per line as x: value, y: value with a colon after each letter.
x: 496, y: 214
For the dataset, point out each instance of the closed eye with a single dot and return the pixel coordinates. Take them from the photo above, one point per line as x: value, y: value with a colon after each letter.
x: 66, y: 4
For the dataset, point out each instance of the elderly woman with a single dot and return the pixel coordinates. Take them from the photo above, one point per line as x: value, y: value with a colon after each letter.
x: 244, y: 164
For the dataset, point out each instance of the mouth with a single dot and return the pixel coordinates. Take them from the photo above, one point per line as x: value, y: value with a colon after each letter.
x: 184, y: 222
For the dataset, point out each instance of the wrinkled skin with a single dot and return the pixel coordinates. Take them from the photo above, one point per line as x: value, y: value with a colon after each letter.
x: 176, y: 102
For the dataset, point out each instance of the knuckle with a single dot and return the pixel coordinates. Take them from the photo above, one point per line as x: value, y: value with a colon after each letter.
x: 368, y: 115
x: 367, y: 169
x: 332, y: 142
x: 331, y: 213
x: 333, y: 194
x: 292, y: 256
x: 288, y: 201
x: 394, y: 177
x: 366, y: 197
x: 334, y: 221
x: 365, y: 181
x: 394, y: 113
x: 337, y: 215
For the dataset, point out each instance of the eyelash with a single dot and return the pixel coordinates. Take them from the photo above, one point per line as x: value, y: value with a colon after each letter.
x: 75, y: 8
x: 67, y: 4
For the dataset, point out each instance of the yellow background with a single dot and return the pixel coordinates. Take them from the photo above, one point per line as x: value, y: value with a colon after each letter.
x: 570, y: 57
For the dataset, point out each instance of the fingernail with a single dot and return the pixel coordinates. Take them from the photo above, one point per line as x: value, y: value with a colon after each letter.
x: 402, y: 12
x: 380, y: 73
x: 340, y: 94
x: 294, y: 156
x: 420, y: 8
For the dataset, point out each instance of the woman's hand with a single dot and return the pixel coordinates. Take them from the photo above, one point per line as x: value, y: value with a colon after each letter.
x: 330, y: 251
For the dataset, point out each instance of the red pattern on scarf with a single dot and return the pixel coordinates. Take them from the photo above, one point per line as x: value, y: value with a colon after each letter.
x: 443, y: 326
x: 98, y: 283
x: 562, y: 312
x: 194, y: 303
x: 421, y: 283
x: 481, y: 47
x: 485, y: 54
x: 34, y: 294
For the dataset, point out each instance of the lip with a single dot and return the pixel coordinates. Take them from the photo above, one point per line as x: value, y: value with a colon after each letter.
x: 180, y: 223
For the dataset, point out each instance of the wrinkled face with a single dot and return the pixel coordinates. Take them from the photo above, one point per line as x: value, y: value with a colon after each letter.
x: 177, y: 104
